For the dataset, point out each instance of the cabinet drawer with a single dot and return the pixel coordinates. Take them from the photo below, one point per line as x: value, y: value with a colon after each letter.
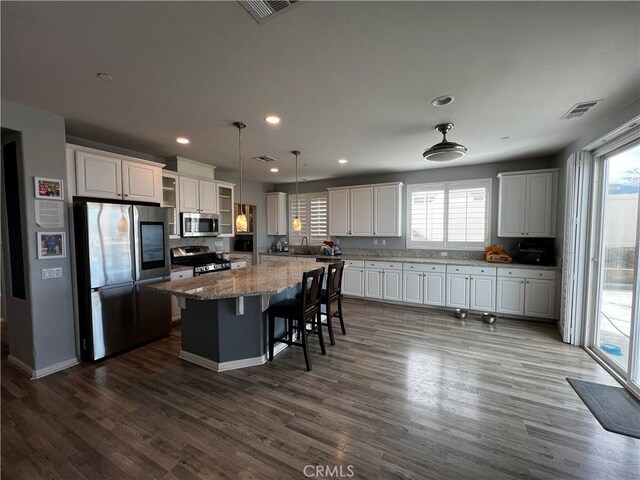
x: 527, y: 273
x: 424, y: 267
x: 181, y: 274
x: 354, y: 263
x: 384, y: 265
x: 465, y: 270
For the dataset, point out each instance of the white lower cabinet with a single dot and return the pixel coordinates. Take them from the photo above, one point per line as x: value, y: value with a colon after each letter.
x: 539, y: 298
x: 353, y: 278
x: 373, y: 280
x: 435, y: 289
x: 383, y: 280
x: 510, y: 296
x: 392, y: 285
x: 176, y: 313
x: 412, y: 287
x: 520, y: 292
x: 527, y: 292
x: 458, y: 293
x: 483, y: 293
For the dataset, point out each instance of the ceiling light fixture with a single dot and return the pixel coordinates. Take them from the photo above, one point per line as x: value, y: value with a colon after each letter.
x: 297, y: 224
x: 442, y: 101
x: 104, y: 76
x: 272, y: 119
x: 445, y: 150
x: 274, y: 170
x: 343, y: 161
x: 241, y: 219
x: 182, y: 140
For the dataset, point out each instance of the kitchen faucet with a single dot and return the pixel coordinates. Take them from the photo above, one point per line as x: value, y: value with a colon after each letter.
x: 305, y: 248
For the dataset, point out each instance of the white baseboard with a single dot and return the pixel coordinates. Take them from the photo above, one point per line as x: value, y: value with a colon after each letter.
x: 20, y: 365
x: 232, y: 365
x: 56, y: 367
x: 42, y: 372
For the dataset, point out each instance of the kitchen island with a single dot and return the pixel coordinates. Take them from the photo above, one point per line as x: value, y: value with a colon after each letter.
x: 224, y: 324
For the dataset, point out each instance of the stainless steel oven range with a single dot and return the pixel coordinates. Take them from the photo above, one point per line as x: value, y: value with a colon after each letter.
x: 201, y: 258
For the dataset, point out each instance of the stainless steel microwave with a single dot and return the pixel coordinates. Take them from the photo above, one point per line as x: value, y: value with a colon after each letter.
x: 199, y: 225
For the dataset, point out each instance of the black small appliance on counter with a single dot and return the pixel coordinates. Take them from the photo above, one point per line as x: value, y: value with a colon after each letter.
x: 535, y: 252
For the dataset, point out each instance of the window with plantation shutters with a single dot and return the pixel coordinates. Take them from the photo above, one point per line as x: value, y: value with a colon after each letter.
x: 449, y: 215
x: 312, y: 209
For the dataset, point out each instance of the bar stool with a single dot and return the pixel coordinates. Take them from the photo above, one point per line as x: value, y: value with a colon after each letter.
x: 332, y: 296
x: 298, y: 313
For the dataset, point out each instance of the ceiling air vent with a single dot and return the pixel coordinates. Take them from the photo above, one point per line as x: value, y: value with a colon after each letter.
x: 265, y: 159
x: 579, y: 110
x: 263, y: 10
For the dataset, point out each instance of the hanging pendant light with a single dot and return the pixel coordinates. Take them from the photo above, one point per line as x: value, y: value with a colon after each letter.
x: 241, y: 219
x: 445, y: 150
x: 297, y: 224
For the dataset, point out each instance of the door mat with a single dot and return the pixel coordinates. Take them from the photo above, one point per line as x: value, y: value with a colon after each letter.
x: 616, y: 409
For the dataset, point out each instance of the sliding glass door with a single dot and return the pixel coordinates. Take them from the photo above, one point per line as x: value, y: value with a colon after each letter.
x: 615, y: 314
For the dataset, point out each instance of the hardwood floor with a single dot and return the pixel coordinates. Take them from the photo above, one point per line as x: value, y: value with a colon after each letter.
x: 408, y: 393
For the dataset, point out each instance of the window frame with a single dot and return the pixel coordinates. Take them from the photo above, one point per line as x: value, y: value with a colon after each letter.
x: 306, y: 230
x: 445, y: 244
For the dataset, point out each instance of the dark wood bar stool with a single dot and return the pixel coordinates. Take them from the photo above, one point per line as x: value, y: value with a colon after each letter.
x: 298, y: 313
x: 332, y: 298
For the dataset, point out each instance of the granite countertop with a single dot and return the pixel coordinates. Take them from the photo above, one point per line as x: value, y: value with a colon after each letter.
x: 255, y: 280
x: 435, y: 261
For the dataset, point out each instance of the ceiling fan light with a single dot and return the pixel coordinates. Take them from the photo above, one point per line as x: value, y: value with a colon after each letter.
x: 444, y: 151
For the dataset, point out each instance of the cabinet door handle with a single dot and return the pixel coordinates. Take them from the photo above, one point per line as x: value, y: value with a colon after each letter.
x: 521, y: 281
x: 126, y: 195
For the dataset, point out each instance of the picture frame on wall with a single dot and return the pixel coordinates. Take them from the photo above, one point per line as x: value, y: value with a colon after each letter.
x: 48, y: 188
x: 51, y: 245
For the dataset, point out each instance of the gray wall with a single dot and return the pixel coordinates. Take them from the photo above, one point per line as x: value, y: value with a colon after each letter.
x: 627, y: 113
x: 42, y: 329
x: 467, y: 172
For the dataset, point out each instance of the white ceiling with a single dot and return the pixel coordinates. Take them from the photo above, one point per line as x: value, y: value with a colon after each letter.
x: 350, y: 79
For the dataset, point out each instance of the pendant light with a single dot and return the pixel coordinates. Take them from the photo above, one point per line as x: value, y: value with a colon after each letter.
x: 297, y: 225
x: 241, y: 219
x: 445, y: 150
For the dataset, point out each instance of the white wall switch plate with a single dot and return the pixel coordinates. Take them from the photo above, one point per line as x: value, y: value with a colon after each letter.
x: 49, y: 273
x: 375, y: 241
x: 384, y: 242
x: 444, y: 254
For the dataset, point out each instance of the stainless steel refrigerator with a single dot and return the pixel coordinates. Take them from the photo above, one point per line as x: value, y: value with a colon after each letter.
x: 119, y: 248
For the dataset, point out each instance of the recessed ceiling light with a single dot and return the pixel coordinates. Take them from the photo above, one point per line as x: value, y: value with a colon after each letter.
x: 182, y: 140
x: 104, y: 76
x: 272, y: 119
x: 343, y: 161
x: 442, y: 101
x: 274, y: 170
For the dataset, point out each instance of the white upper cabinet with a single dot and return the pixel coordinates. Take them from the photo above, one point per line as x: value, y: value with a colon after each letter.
x: 141, y: 182
x: 387, y: 220
x: 277, y: 213
x: 361, y: 212
x: 98, y: 175
x: 339, y: 214
x: 225, y: 209
x: 198, y: 196
x: 189, y: 196
x: 366, y: 211
x: 106, y: 175
x: 526, y: 205
x: 208, y: 196
x: 541, y: 202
